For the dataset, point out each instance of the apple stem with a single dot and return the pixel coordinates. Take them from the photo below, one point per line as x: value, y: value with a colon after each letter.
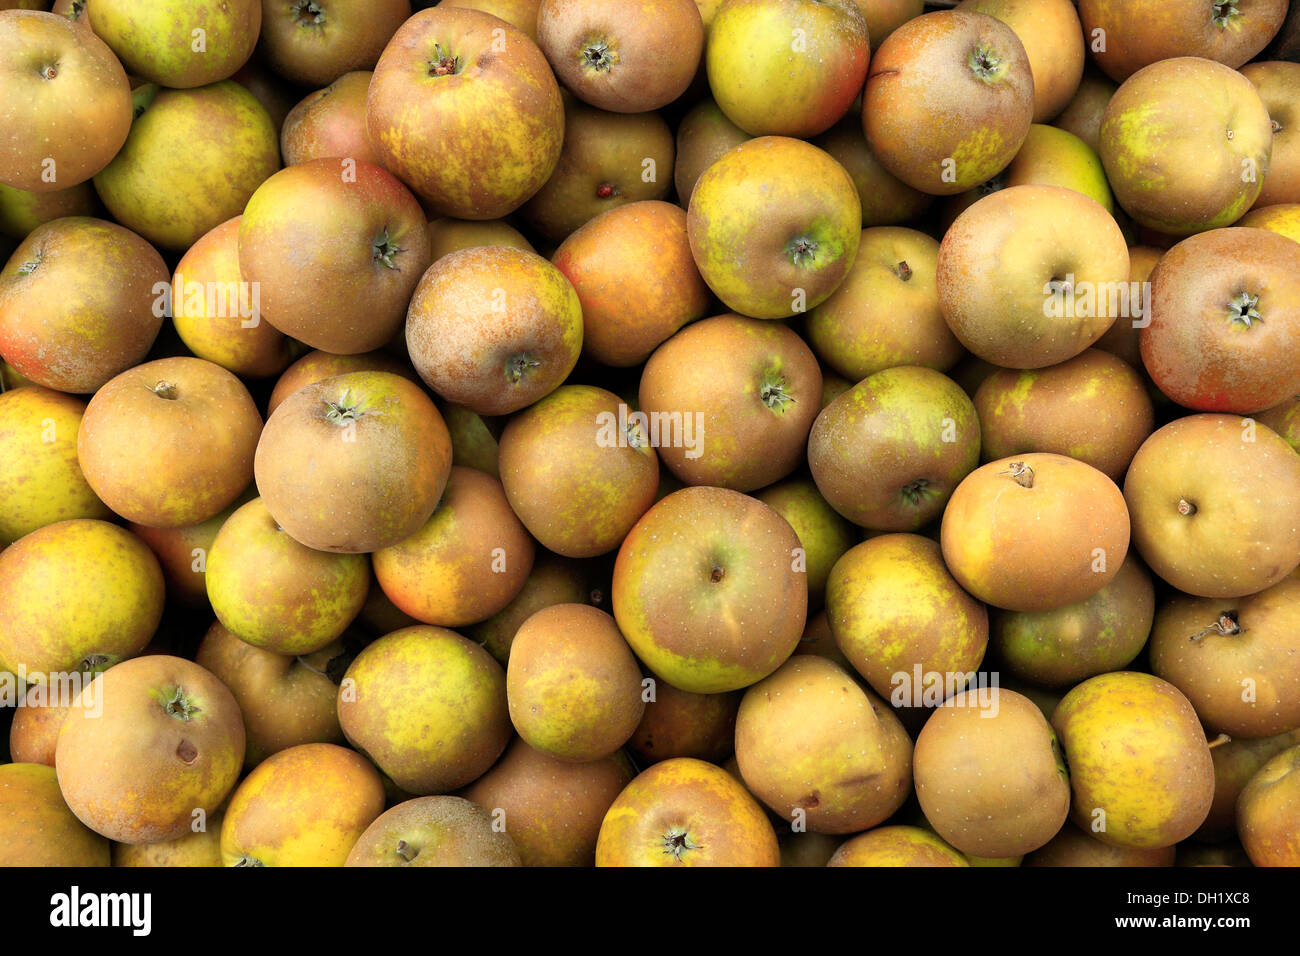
x: 1220, y: 740
x: 903, y: 270
x: 1186, y: 508
x: 1022, y: 474
x: 165, y: 390
x: 405, y: 852
x: 1226, y: 626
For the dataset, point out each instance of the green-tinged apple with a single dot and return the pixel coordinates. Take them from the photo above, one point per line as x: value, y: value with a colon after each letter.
x: 897, y: 846
x: 1267, y: 811
x: 823, y: 533
x: 1082, y: 115
x: 316, y: 366
x: 434, y: 831
x: 1235, y: 763
x: 314, y: 42
x: 178, y: 43
x: 451, y: 235
x: 703, y: 136
x: 36, y: 826
x: 1076, y: 847
x: 1278, y: 84
x: 183, y: 552
x: 22, y: 211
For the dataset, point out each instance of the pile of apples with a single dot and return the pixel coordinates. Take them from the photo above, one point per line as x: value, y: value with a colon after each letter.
x: 650, y: 432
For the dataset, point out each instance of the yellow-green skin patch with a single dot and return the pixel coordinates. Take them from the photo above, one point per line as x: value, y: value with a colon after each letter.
x: 823, y: 533
x: 74, y: 592
x: 22, y: 211
x: 36, y: 826
x: 428, y: 706
x: 1266, y: 812
x: 157, y: 40
x: 192, y: 161
x: 897, y: 846
x: 305, y: 806
x: 41, y: 481
x: 1140, y: 766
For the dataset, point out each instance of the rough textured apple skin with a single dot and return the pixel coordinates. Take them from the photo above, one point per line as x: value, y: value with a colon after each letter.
x: 824, y: 534
x: 305, y: 806
x: 703, y: 136
x: 42, y: 481
x: 892, y: 605
x: 1074, y: 847
x: 1054, y: 44
x: 22, y: 211
x: 521, y: 14
x: 552, y: 580
x: 1137, y: 752
x: 573, y: 686
x: 930, y: 117
x: 36, y: 826
x: 685, y: 812
x: 316, y: 47
x: 70, y: 328
x: 138, y: 771
x: 156, y: 40
x: 897, y: 846
x: 771, y: 219
x: 1278, y: 83
x: 1163, y: 145
x: 34, y: 733
x: 331, y: 122
x: 821, y: 751
x: 86, y: 125
x: 1235, y: 763
x: 700, y: 639
x: 553, y: 809
x: 196, y: 848
x: 316, y: 366
x: 577, y: 496
x: 47, y: 627
x: 1267, y: 809
x: 678, y: 723
x: 231, y: 148
x: 428, y: 706
x: 179, y: 551
x: 474, y: 143
x: 468, y: 560
x: 462, y: 834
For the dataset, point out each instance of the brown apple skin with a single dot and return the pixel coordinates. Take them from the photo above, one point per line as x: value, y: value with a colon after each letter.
x: 34, y: 732
x: 635, y: 278
x: 766, y: 266
x: 474, y: 438
x: 277, y: 594
x: 1168, y: 119
x: 521, y: 14
x: 1101, y: 633
x: 755, y: 383
x: 238, y: 342
x: 70, y: 328
x: 330, y: 123
x: 819, y: 639
x: 1284, y: 419
x: 677, y: 723
x: 821, y: 751
x: 336, y: 257
x: 1124, y: 338
x: 886, y: 311
x: 706, y: 592
x: 458, y: 833
x: 892, y: 605
x: 552, y: 580
x: 451, y: 235
x: 466, y: 563
x: 897, y: 846
x: 169, y: 443
x: 552, y: 809
x: 22, y: 211
x: 316, y: 366
x: 232, y: 148
x: 1092, y: 407
x: 354, y: 463
x: 36, y: 826
x: 169, y: 741
x: 1225, y: 321
x: 269, y: 89
x: 479, y: 140
x: 1074, y: 847
x: 1235, y: 763
x: 1039, y: 546
x: 887, y: 453
x: 1266, y: 812
x: 1054, y: 44
x: 608, y: 160
x: 1142, y: 32
x: 315, y: 48
x: 685, y: 812
x: 572, y: 485
x: 82, y: 110
x: 1082, y: 115
x: 42, y: 481
x: 1213, y: 650
x: 822, y: 70
x: 493, y: 328
x: 1278, y: 83
x: 999, y: 264
x: 824, y: 534
x: 572, y: 683
x: 886, y: 200
x: 305, y: 806
x: 201, y: 847
x: 923, y: 79
x: 703, y: 136
x: 47, y: 628
x: 183, y: 552
x: 628, y: 56
x: 285, y: 700
x: 1212, y: 513
x: 428, y: 706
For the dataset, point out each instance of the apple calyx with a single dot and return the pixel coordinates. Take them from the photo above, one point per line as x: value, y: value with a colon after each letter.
x: 76, y: 10
x: 406, y: 851
x: 986, y: 64
x: 1021, y: 473
x: 1225, y: 11
x: 342, y: 411
x: 444, y: 62
x: 164, y: 389
x: 903, y: 271
x: 518, y: 367
x: 1219, y: 741
x: 775, y: 394
x: 249, y: 861
x: 677, y: 841
x: 717, y: 573
x: 1186, y: 508
x: 1225, y: 626
x: 180, y: 706
x: 915, y: 491
x: 308, y: 13
x: 383, y: 249
x: 801, y: 250
x: 1243, y: 309
x: 30, y: 266
x: 49, y: 71
x: 96, y: 663
x: 597, y: 56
